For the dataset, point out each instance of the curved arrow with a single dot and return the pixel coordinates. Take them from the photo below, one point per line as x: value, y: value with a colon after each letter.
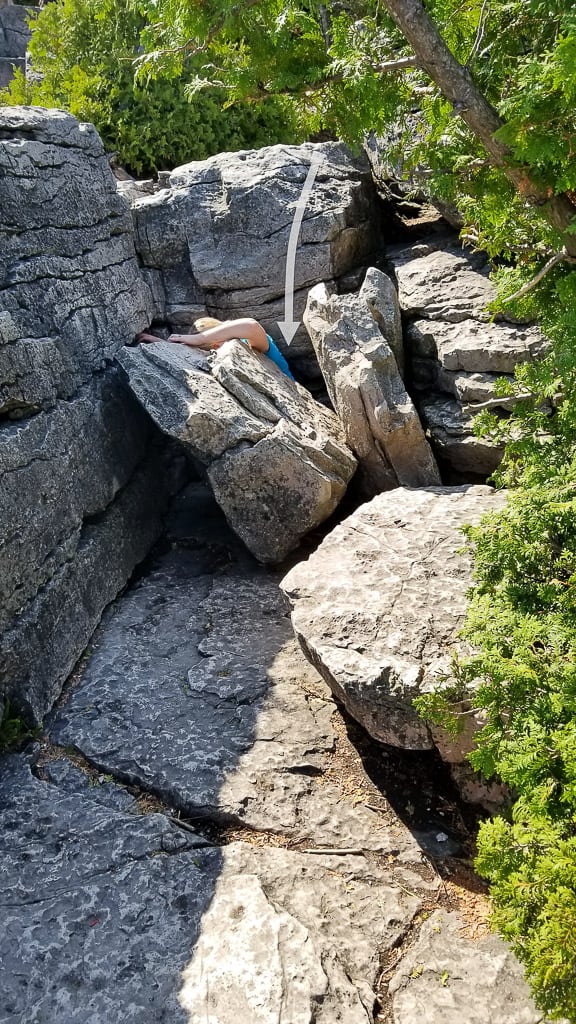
x: 289, y: 325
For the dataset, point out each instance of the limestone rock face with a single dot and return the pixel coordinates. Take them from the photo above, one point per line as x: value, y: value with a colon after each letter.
x: 455, y: 354
x: 277, y: 461
x: 72, y: 292
x: 378, y: 607
x: 76, y: 451
x: 218, y: 236
x: 14, y: 36
x: 351, y: 336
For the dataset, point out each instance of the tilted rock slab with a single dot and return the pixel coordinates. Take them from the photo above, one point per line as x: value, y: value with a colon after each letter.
x: 276, y: 460
x: 218, y: 237
x: 355, y: 338
x: 378, y: 607
x: 76, y: 452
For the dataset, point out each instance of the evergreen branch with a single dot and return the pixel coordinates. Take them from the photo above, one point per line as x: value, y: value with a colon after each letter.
x: 190, y: 47
x: 560, y: 257
x: 479, y: 33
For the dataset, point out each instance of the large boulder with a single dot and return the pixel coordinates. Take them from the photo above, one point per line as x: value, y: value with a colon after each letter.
x: 378, y: 607
x: 72, y: 291
x: 77, y: 455
x: 277, y: 461
x: 218, y: 236
x: 456, y: 354
x: 355, y: 337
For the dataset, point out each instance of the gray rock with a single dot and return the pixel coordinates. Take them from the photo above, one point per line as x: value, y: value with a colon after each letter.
x: 452, y: 434
x: 58, y: 470
x: 475, y: 347
x: 474, y: 388
x: 76, y: 451
x: 378, y: 607
x: 41, y: 644
x: 230, y: 736
x: 293, y: 938
x: 14, y: 37
x: 100, y: 909
x: 381, y: 297
x: 137, y: 920
x: 219, y: 235
x: 446, y: 976
x: 443, y: 286
x: 276, y: 460
x: 380, y: 422
x: 72, y: 291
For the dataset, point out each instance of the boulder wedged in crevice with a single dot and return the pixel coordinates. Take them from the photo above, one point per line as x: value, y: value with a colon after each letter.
x: 276, y: 460
x: 379, y: 606
x: 218, y: 236
x: 358, y: 342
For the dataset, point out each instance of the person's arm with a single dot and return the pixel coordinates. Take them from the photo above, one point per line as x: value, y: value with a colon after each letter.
x: 144, y: 336
x: 214, y: 337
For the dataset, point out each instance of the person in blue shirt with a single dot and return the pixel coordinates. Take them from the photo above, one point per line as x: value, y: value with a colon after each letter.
x: 213, y: 333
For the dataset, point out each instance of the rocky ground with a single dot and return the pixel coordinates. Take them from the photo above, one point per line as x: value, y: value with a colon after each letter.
x: 199, y: 835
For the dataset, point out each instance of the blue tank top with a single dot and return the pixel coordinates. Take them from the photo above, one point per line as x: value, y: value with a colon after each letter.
x: 276, y: 356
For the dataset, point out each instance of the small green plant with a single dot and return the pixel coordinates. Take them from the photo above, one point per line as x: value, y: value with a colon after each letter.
x: 13, y: 730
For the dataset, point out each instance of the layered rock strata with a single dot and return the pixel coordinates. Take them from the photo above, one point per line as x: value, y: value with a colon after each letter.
x: 378, y: 607
x: 276, y: 460
x: 456, y: 354
x: 358, y: 342
x: 14, y: 36
x: 217, y: 237
x: 80, y: 486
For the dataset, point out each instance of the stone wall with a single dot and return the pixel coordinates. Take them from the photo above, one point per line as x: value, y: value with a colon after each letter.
x: 82, y: 479
x: 14, y: 36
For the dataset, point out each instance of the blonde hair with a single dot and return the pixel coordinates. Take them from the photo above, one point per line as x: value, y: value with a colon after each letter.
x: 204, y: 323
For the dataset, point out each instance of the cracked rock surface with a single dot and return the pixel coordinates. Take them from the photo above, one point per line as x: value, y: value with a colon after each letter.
x: 378, y: 607
x: 82, y: 481
x: 218, y: 236
x: 277, y: 460
x: 358, y: 342
x: 186, y: 851
x: 456, y: 355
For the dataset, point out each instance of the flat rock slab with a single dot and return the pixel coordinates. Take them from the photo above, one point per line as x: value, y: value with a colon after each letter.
x: 443, y: 286
x: 100, y: 909
x: 446, y: 977
x: 476, y: 347
x: 378, y: 607
x: 194, y: 692
x: 112, y: 917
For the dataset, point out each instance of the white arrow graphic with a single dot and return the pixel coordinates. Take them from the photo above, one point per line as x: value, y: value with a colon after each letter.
x: 289, y: 326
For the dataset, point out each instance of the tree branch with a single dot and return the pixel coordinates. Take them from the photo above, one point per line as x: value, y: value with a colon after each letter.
x: 560, y: 257
x: 459, y: 88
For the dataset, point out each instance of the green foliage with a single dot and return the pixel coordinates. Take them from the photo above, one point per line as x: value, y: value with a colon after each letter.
x: 84, y: 51
x: 13, y: 730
